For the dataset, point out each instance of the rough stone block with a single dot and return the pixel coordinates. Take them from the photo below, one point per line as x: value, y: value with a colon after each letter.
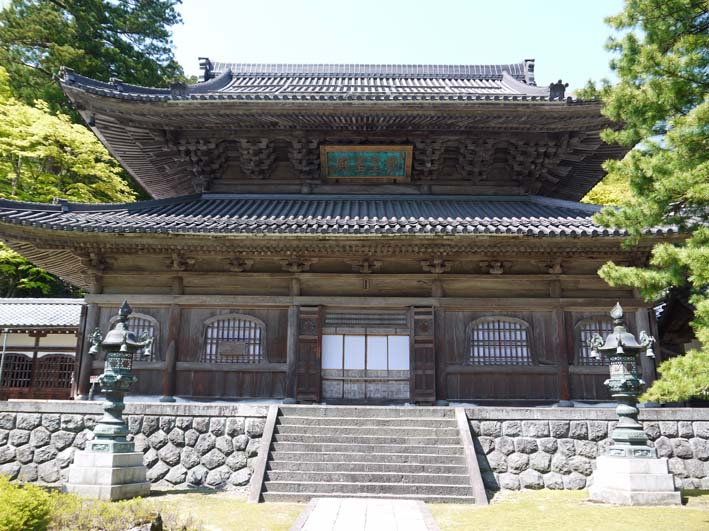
x: 28, y: 421
x: 497, y: 461
x: 597, y: 430
x: 581, y: 465
x: 151, y: 424
x: 157, y: 472
x: 177, y: 475
x: 475, y: 427
x: 183, y: 423
x: 240, y: 442
x: 531, y: 479
x: 517, y: 462
x: 167, y: 424
x: 24, y: 454
x: 566, y: 447
x: 28, y: 473
x: 44, y: 454
x: 559, y: 429
x: 512, y: 428
x: 663, y: 446
x: 217, y: 426
x: 48, y: 472
x: 19, y: 437
x: 170, y: 454
x: 587, y: 449
x: 508, y: 481
x: 578, y: 429
x: 158, y: 439
x: 7, y: 421
x: 151, y: 458
x: 65, y: 457
x: 62, y: 439
x: 491, y: 428
x: 224, y: 444
x: 213, y: 459
x: 205, y: 443
x: 535, y: 428
x: 236, y: 461
x: 487, y: 444
x: 700, y: 448
x: 40, y: 437
x: 685, y: 429
x: 11, y: 470
x: 701, y: 429
x: 681, y: 448
x: 141, y: 443
x: 240, y: 477
x: 234, y: 426
x: 201, y: 424
x: 554, y: 481
x: 252, y: 447
x: 191, y: 437
x: 505, y: 445
x: 652, y: 430
x: 51, y: 421
x: 574, y: 481
x: 189, y: 458
x: 526, y: 445
x: 560, y: 464
x: 695, y: 468
x: 4, y: 437
x: 73, y: 423
x: 197, y: 475
x: 668, y: 429
x: 7, y: 454
x: 135, y: 424
x: 254, y: 427
x: 177, y: 437
x: 548, y: 445
x: 541, y: 462
x: 217, y: 478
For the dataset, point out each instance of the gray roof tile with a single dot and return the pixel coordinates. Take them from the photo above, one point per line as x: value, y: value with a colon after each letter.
x: 40, y: 313
x: 325, y: 215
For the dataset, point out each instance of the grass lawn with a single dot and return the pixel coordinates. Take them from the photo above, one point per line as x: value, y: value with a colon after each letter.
x: 527, y: 511
x: 569, y: 510
x: 226, y: 511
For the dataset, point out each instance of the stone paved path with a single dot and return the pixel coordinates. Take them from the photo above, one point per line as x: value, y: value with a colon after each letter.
x: 365, y: 514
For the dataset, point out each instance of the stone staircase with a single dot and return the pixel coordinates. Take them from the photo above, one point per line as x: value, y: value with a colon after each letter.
x: 364, y: 451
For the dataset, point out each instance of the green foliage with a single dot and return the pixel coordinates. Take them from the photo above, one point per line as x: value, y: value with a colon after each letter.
x: 662, y: 102
x: 679, y: 379
x: 23, y: 507
x: 43, y: 156
x: 129, y: 40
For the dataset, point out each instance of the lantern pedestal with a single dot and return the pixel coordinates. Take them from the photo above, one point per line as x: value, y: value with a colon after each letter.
x: 104, y: 475
x: 633, y: 481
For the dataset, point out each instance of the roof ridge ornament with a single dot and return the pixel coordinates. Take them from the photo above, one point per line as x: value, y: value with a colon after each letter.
x: 206, y: 65
x: 556, y: 90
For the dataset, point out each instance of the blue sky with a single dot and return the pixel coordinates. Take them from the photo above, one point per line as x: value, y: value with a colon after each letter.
x: 565, y: 37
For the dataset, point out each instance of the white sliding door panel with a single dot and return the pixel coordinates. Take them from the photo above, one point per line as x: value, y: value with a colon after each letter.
x: 377, y: 353
x: 398, y: 353
x: 354, y: 352
x: 332, y: 352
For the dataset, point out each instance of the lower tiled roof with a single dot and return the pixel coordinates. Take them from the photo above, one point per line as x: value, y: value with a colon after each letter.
x: 322, y: 215
x: 40, y: 313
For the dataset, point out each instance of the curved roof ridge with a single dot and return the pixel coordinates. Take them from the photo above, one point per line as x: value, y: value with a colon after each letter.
x: 461, y: 71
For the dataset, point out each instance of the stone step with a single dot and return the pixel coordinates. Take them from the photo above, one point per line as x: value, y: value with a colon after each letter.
x: 336, y: 438
x: 392, y: 412
x: 364, y: 466
x: 320, y: 421
x: 366, y: 448
x: 379, y: 431
x: 340, y: 455
x: 366, y: 477
x: 303, y: 497
x: 338, y: 487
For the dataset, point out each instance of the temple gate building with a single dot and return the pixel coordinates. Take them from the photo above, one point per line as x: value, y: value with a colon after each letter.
x: 346, y: 233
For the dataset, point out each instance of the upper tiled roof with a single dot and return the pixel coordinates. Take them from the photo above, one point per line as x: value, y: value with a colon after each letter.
x: 40, y: 313
x: 337, y: 82
x: 322, y: 215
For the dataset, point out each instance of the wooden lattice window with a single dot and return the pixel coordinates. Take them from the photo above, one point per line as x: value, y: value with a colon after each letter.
x: 140, y: 323
x: 54, y: 371
x: 233, y: 338
x: 584, y: 332
x: 17, y: 371
x: 499, y: 341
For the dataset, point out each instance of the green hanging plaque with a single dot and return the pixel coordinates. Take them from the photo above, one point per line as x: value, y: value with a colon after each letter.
x: 366, y: 163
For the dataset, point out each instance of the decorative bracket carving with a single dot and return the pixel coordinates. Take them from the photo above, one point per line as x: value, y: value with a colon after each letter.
x: 495, y: 267
x: 297, y: 265
x: 239, y: 265
x: 365, y: 265
x: 555, y: 267
x: 178, y: 262
x: 436, y: 266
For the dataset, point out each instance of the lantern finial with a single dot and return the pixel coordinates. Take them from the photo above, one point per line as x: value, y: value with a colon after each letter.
x: 617, y: 314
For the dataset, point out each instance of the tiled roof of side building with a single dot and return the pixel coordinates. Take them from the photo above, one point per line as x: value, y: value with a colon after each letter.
x: 323, y: 215
x: 40, y: 313
x: 338, y: 81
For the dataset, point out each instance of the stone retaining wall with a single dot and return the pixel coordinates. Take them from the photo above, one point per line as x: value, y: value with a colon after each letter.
x: 556, y: 448
x: 186, y: 445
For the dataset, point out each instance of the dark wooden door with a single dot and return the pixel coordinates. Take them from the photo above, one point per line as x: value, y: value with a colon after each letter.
x: 308, y: 362
x: 423, y: 355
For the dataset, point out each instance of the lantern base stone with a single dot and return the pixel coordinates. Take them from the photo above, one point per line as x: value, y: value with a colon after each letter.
x: 108, y: 476
x: 633, y: 481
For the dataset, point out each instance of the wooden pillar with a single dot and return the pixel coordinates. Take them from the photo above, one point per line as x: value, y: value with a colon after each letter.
x: 647, y: 365
x: 291, y: 351
x: 169, y: 378
x: 441, y: 355
x: 85, y: 360
x: 562, y: 338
